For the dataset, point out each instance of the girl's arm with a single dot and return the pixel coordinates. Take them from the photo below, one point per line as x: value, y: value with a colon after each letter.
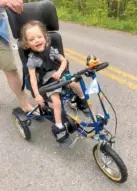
x: 63, y: 64
x: 62, y: 67
x: 33, y: 80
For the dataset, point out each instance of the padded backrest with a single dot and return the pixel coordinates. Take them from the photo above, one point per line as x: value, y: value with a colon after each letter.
x: 43, y: 11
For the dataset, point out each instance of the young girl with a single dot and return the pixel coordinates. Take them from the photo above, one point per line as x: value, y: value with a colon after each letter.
x: 45, y: 65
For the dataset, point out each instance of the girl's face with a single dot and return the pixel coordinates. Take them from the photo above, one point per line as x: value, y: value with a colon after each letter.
x: 35, y: 39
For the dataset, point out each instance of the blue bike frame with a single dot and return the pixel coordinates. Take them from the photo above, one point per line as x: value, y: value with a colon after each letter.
x: 96, y: 126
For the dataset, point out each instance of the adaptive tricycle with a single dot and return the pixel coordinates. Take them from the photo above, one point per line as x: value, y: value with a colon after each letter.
x: 105, y: 156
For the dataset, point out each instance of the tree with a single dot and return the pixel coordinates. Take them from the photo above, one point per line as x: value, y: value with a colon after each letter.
x: 116, y: 8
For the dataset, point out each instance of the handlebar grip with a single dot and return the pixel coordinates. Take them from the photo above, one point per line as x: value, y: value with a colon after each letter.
x: 57, y: 84
x: 52, y: 83
x: 102, y: 66
x: 48, y: 88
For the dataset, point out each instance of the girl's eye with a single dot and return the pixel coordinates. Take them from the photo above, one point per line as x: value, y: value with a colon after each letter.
x: 31, y: 40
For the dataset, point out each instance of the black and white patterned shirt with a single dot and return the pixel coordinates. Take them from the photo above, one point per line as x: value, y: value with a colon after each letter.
x: 35, y: 61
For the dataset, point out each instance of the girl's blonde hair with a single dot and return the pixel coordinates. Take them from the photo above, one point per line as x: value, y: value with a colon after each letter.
x: 27, y: 26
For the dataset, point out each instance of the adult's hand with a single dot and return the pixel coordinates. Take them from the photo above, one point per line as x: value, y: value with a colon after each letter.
x: 15, y: 5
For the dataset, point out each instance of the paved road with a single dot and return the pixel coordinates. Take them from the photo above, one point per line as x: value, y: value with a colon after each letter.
x: 40, y: 164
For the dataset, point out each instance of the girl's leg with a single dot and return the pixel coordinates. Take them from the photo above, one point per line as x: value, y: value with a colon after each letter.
x: 77, y: 89
x: 57, y: 107
x: 59, y: 130
x: 79, y: 100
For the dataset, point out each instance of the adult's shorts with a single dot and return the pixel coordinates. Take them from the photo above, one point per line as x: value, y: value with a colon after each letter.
x: 7, y: 60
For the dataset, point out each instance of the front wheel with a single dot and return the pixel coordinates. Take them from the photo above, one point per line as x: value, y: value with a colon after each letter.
x: 110, y: 163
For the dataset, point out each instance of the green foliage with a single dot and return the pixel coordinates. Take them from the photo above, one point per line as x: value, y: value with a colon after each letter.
x: 112, y: 14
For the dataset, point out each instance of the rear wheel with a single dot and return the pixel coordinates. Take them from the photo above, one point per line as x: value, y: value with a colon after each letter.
x: 23, y: 128
x: 110, y: 163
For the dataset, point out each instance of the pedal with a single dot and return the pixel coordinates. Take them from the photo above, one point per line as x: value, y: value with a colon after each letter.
x: 66, y: 144
x: 74, y: 142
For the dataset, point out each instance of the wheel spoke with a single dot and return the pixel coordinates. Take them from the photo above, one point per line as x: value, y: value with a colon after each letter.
x: 111, y: 168
x: 109, y: 162
x: 104, y: 166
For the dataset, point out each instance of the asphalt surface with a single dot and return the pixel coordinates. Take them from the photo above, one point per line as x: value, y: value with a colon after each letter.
x: 40, y: 165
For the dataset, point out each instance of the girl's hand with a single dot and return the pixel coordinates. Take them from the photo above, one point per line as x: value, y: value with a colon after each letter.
x: 39, y: 99
x: 56, y: 75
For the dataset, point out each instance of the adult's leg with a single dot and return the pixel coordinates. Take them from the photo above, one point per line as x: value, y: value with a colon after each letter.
x: 15, y: 84
x: 7, y: 65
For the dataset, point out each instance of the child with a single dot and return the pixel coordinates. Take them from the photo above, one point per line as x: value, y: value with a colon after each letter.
x: 45, y: 65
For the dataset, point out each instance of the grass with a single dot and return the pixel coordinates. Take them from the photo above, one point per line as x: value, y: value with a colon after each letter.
x: 100, y: 20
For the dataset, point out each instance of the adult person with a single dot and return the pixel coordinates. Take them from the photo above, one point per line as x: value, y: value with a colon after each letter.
x: 7, y: 62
